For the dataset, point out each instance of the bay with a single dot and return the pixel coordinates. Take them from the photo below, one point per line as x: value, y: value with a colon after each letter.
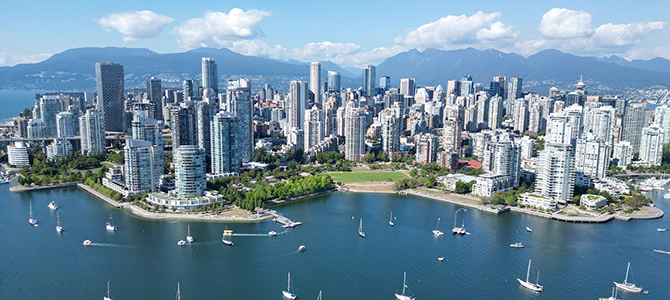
x: 13, y: 102
x: 143, y: 261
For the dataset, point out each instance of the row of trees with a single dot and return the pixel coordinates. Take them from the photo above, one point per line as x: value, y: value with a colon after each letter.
x: 106, y: 191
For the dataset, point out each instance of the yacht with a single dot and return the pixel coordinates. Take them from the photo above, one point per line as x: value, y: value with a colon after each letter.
x: 181, y: 243
x: 404, y: 285
x: 517, y: 245
x: 391, y: 220
x: 108, y: 297
x: 627, y: 286
x: 227, y: 232
x: 189, y: 238
x: 272, y: 233
x: 59, y: 228
x: 436, y: 232
x: 529, y: 285
x: 110, y: 225
x: 32, y: 220
x: 360, y: 229
x: 52, y: 205
x: 613, y: 295
x: 661, y: 229
x: 459, y: 230
x: 287, y: 293
x: 301, y: 248
x: 666, y: 196
x: 529, y: 229
x: 87, y: 242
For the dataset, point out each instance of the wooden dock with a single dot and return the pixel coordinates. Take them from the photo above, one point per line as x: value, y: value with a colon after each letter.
x: 284, y: 221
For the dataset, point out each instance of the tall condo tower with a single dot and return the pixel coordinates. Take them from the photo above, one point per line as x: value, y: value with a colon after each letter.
x: 155, y: 96
x: 210, y: 79
x: 369, y: 78
x: 333, y: 81
x: 109, y: 80
x: 296, y: 104
x: 315, y: 80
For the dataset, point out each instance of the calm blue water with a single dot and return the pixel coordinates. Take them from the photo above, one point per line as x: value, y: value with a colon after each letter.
x: 13, y: 102
x: 142, y: 260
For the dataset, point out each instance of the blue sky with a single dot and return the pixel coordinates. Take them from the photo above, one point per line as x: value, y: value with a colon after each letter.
x: 350, y: 33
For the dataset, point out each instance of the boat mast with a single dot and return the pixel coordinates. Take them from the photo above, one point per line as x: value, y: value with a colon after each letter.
x: 537, y: 281
x: 108, y: 288
x: 404, y: 277
x: 625, y: 281
x: 189, y: 234
x: 289, y: 282
x: 438, y: 223
x: 178, y: 293
x: 528, y: 273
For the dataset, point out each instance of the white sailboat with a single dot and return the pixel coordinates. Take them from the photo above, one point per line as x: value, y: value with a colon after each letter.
x: 52, y: 205
x: 32, y: 220
x: 627, y: 286
x: 403, y: 296
x: 110, y: 225
x: 287, y: 293
x: 178, y: 297
x: 437, y: 232
x: 189, y: 238
x: 529, y: 285
x: 108, y: 297
x: 613, y: 295
x: 319, y: 298
x: 391, y: 220
x: 360, y: 229
x: 459, y: 230
x: 59, y: 228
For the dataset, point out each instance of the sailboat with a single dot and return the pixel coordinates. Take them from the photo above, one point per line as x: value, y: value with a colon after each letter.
x: 189, y: 238
x: 59, y: 228
x: 529, y: 285
x: 391, y: 220
x: 360, y: 229
x: 178, y: 297
x: 287, y: 293
x: 627, y: 286
x: 437, y: 232
x: 319, y: 298
x: 108, y: 297
x: 459, y: 230
x: 403, y: 296
x: 110, y: 225
x: 32, y: 220
x: 613, y: 295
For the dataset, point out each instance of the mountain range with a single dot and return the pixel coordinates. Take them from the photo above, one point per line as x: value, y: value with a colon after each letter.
x: 74, y: 69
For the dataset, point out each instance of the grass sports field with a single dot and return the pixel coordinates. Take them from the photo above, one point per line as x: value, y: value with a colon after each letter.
x: 366, y: 176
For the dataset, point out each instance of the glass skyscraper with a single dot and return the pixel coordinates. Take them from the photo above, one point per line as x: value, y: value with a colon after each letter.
x: 109, y: 80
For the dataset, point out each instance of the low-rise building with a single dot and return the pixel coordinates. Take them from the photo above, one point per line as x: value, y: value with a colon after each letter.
x: 537, y: 201
x: 449, y: 181
x: 17, y: 155
x: 592, y: 202
x: 488, y: 184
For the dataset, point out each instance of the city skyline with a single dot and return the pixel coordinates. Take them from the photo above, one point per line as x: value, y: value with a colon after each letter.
x: 265, y: 29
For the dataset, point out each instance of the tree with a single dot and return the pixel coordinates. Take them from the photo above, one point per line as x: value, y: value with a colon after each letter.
x: 463, y: 188
x: 498, y: 200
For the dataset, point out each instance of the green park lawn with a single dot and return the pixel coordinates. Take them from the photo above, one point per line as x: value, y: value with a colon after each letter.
x: 366, y: 176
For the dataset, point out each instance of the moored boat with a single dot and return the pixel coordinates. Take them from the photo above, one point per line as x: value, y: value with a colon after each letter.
x: 517, y: 245
x: 529, y: 285
x: 52, y: 205
x: 627, y: 286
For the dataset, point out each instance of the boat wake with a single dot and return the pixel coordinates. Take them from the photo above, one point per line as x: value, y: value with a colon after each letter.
x: 258, y: 234
x: 108, y: 245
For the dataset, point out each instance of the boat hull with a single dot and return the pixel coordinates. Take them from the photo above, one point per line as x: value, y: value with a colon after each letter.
x: 531, y: 286
x: 629, y: 287
x: 288, y: 295
x: 361, y: 233
x: 403, y: 297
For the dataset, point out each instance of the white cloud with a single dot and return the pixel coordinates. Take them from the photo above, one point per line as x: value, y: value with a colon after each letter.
x: 625, y: 34
x: 257, y: 48
x: 453, y: 32
x: 561, y: 23
x: 9, y: 59
x: 325, y: 51
x: 647, y: 53
x: 135, y: 25
x: 217, y: 29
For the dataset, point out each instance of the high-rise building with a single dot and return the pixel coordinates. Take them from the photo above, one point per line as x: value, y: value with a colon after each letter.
x: 226, y: 157
x: 527, y: 146
x: 354, y: 134
x: 634, y: 121
x: 333, y: 81
x: 155, y: 96
x: 385, y: 83
x: 369, y: 78
x: 514, y: 89
x: 183, y: 125
x: 37, y: 129
x: 622, y: 155
x: 191, y: 90
x: 407, y: 86
x: 495, y: 112
x: 92, y: 131
x: 143, y: 166
x: 555, y: 174
x: 592, y: 156
x: 340, y: 117
x: 66, y: 124
x: 315, y: 80
x: 109, y: 79
x: 600, y: 122
x: 150, y: 130
x: 210, y: 76
x: 451, y: 136
x: 17, y: 155
x: 296, y: 105
x: 242, y: 106
x: 503, y: 158
x: 204, y: 116
x: 296, y: 138
x: 49, y: 108
x: 391, y: 121
x: 59, y: 148
x: 190, y: 177
x: 662, y: 118
x: 520, y: 114
x: 651, y: 145
x: 315, y: 127
x: 426, y: 148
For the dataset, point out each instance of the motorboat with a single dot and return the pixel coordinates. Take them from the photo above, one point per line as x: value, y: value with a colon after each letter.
x: 666, y: 195
x: 360, y: 229
x: 661, y: 229
x: 110, y: 225
x: 189, y: 238
x: 59, y: 228
x: 227, y: 242
x: 272, y: 233
x: 32, y: 221
x: 181, y: 243
x: 529, y: 229
x: 52, y: 205
x: 404, y: 285
x: 440, y: 258
x: 517, y: 245
x: 391, y: 220
x: 437, y: 232
x: 529, y: 285
x: 287, y: 293
x: 301, y: 248
x: 87, y: 242
x: 627, y: 286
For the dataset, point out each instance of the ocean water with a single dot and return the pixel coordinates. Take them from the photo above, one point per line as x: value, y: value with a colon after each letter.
x: 143, y: 261
x: 13, y: 102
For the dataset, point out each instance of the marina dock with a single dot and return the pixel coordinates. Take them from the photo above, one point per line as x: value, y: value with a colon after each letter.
x: 284, y: 221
